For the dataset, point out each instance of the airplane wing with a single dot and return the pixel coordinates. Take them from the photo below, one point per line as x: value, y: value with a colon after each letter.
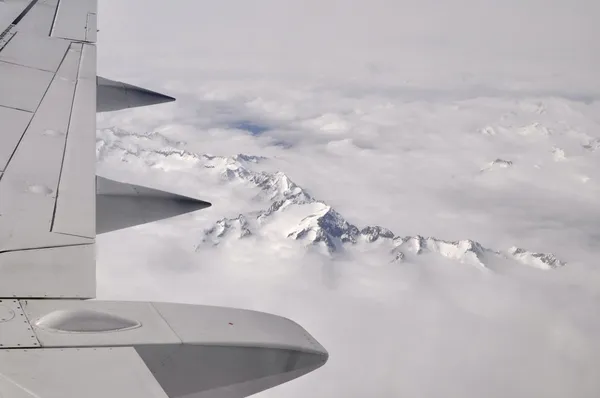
x: 52, y: 205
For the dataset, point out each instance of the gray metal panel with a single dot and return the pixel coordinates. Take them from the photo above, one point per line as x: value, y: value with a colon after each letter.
x: 88, y: 62
x: 21, y: 87
x: 305, y: 365
x: 39, y: 19
x: 114, y: 95
x: 218, y: 326
x: 6, y: 37
x: 53, y: 272
x: 14, y: 123
x: 76, y: 202
x: 197, y: 371
x: 121, y: 205
x: 70, y: 70
x: 35, y: 52
x: 28, y: 190
x: 9, y: 10
x: 105, y: 186
x: 71, y: 20
x: 9, y: 389
x: 15, y: 330
x: 153, y: 329
x: 76, y: 373
x: 229, y: 352
x: 91, y: 28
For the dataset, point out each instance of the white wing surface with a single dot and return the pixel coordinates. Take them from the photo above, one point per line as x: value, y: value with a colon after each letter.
x: 43, y: 372
x: 47, y: 148
x: 48, y: 190
x: 58, y: 348
x: 53, y: 341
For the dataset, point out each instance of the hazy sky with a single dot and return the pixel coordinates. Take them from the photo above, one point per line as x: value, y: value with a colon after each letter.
x: 537, y: 44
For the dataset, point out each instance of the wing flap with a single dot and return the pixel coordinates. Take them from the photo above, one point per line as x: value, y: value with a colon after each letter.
x: 22, y: 88
x: 91, y: 27
x: 35, y: 52
x: 76, y: 201
x: 28, y: 192
x: 47, y: 160
x: 65, y: 272
x: 39, y: 19
x: 73, y: 20
x: 76, y: 373
x: 14, y: 123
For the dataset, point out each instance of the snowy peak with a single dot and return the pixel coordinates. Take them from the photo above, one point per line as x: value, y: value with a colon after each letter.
x: 466, y: 251
x: 282, y: 192
x: 498, y: 164
x: 237, y: 227
x: 326, y: 226
x: 148, y: 149
x: 538, y: 260
x: 231, y: 171
x: 371, y: 234
x: 279, y: 187
x: 240, y: 157
x: 228, y: 168
x: 331, y: 226
x: 149, y: 137
x: 157, y: 151
x: 502, y: 163
x: 535, y: 129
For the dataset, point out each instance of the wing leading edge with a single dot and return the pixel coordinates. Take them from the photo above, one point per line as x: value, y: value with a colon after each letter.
x: 191, y: 351
x: 52, y: 205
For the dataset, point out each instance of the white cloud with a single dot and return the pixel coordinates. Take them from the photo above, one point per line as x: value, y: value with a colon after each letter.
x: 387, y: 111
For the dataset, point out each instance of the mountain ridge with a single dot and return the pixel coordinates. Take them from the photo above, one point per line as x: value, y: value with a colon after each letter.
x: 322, y: 226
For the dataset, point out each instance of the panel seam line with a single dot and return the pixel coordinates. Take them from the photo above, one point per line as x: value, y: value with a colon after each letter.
x: 54, y: 19
x: 168, y: 324
x: 33, y: 116
x: 62, y: 163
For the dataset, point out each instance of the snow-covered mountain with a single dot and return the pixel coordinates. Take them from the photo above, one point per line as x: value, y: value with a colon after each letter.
x: 539, y: 260
x: 296, y: 214
x: 327, y: 228
x: 498, y: 164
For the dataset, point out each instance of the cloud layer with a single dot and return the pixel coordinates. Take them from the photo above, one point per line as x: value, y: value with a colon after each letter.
x: 395, y: 113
